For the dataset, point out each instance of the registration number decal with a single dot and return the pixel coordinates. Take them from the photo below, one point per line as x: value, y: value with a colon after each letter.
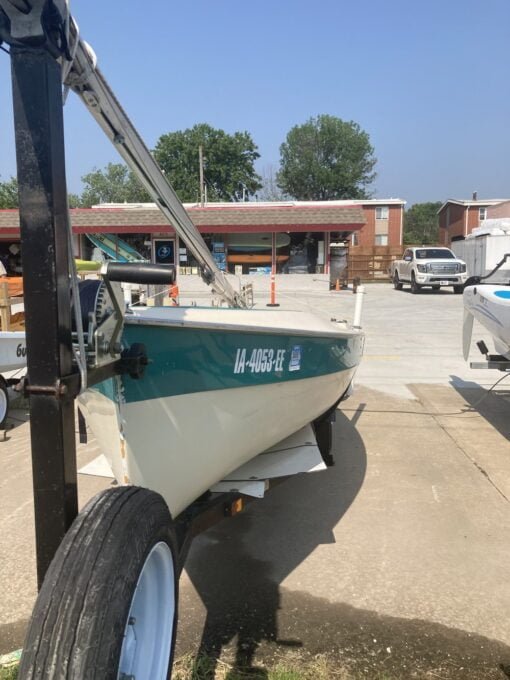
x: 259, y: 360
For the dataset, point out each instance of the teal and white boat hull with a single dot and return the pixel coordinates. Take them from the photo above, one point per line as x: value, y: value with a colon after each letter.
x: 221, y: 387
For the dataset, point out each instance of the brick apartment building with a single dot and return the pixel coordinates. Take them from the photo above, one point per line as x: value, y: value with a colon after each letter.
x: 458, y: 218
x: 384, y: 223
x: 499, y: 210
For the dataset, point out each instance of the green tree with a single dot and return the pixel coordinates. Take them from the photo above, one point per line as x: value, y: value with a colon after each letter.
x: 9, y: 193
x: 326, y: 158
x: 421, y: 223
x: 229, y: 170
x: 74, y: 201
x: 114, y: 184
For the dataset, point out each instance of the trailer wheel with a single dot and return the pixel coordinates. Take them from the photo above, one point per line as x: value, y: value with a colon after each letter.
x: 4, y: 403
x: 108, y: 605
x: 415, y: 287
x: 397, y: 283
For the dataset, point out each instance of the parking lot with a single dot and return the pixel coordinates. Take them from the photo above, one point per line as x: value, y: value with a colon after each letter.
x: 394, y: 561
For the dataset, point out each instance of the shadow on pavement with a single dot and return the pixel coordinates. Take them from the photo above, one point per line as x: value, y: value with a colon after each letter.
x: 493, y: 406
x: 364, y: 644
x: 15, y: 418
x: 237, y: 566
x: 429, y: 291
x: 12, y: 636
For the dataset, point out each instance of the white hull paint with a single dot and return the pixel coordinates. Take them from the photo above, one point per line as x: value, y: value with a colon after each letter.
x: 182, y: 445
x: 13, y: 350
x: 483, y: 302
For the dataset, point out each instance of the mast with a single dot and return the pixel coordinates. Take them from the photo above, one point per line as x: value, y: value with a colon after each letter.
x: 87, y: 81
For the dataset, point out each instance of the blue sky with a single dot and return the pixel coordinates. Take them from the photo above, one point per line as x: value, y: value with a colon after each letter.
x: 428, y: 81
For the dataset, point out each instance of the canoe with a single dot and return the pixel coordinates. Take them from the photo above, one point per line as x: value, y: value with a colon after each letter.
x: 115, y: 248
x: 254, y: 242
x: 249, y: 258
x: 14, y: 284
x: 87, y: 265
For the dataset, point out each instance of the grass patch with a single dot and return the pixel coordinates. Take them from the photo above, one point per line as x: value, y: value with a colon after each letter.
x: 204, y: 668
x: 9, y: 672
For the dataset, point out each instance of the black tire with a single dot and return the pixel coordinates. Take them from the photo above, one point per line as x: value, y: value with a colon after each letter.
x: 80, y: 618
x: 397, y: 283
x: 458, y: 290
x: 436, y: 289
x: 4, y: 403
x: 415, y: 288
x: 324, y: 436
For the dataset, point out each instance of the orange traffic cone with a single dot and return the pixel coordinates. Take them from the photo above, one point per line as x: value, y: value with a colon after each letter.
x: 173, y: 293
x: 273, y: 302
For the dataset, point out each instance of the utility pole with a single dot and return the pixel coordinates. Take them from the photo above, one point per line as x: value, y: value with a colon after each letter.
x: 201, y: 167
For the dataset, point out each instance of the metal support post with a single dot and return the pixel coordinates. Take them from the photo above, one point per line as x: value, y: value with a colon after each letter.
x: 39, y: 130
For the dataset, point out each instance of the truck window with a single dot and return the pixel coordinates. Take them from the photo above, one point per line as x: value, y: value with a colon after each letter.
x: 434, y: 254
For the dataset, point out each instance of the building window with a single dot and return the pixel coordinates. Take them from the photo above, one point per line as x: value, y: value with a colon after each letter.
x: 355, y: 239
x: 381, y: 239
x: 482, y: 214
x: 381, y: 212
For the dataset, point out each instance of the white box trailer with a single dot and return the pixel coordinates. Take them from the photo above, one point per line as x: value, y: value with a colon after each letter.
x: 481, y: 253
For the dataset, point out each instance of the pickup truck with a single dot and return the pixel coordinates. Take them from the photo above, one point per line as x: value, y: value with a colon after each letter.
x: 429, y: 266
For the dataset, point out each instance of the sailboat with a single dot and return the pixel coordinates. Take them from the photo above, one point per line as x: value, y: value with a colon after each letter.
x: 222, y: 386
x: 179, y: 399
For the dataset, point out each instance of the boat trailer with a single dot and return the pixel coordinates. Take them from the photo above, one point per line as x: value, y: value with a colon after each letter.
x: 63, y: 359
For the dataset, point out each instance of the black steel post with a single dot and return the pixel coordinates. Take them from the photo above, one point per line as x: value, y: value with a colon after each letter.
x: 39, y: 129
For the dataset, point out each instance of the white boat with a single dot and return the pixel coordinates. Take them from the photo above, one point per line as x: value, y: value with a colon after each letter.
x: 221, y: 386
x: 13, y: 350
x: 490, y: 305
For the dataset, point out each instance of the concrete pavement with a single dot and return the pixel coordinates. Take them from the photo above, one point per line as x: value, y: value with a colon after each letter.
x: 395, y: 560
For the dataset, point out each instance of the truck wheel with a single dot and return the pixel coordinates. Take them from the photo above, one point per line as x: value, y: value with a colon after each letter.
x: 108, y: 605
x: 415, y: 288
x: 436, y: 288
x: 4, y: 403
x: 458, y: 289
x: 397, y: 284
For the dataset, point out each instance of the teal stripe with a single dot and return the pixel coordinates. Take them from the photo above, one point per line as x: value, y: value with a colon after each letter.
x: 184, y: 360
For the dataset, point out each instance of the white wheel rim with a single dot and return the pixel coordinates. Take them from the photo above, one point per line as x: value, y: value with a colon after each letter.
x: 3, y: 404
x: 149, y: 628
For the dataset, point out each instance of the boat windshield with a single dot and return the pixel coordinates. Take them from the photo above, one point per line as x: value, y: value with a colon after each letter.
x: 434, y: 254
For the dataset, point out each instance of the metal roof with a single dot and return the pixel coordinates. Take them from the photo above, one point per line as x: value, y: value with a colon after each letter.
x: 470, y: 203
